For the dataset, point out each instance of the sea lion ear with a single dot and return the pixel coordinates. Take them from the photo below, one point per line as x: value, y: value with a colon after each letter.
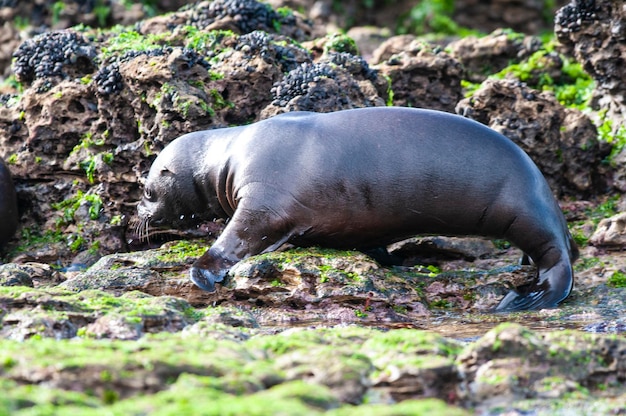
x: 165, y: 171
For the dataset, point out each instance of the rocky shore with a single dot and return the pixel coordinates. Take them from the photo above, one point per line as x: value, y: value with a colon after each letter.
x: 94, y: 320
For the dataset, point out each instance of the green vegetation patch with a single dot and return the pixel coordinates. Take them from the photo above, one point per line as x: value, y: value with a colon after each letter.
x: 431, y: 17
x: 412, y: 342
x: 609, y: 133
x: 137, y: 307
x: 181, y: 251
x: 617, y: 279
x: 69, y: 207
x: 130, y: 40
x: 573, y: 87
x: 340, y: 42
x: 606, y: 209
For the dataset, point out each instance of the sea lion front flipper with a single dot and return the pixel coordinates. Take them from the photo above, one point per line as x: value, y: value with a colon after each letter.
x: 209, y: 269
x: 550, y: 287
x: 248, y: 233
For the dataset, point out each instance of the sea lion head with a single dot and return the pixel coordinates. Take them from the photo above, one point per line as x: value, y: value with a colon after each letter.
x: 170, y: 195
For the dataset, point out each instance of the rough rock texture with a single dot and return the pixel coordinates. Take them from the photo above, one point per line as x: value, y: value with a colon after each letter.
x: 544, y: 129
x: 423, y: 75
x: 611, y: 232
x: 511, y: 363
x: 529, y: 16
x: 593, y: 32
x: 20, y: 20
x: 523, y: 16
x: 482, y: 56
x: 90, y: 318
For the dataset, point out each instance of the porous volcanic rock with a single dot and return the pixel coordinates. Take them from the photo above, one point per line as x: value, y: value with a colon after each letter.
x: 423, y: 75
x: 543, y: 128
x: 593, y: 33
x: 486, y: 55
x: 528, y: 16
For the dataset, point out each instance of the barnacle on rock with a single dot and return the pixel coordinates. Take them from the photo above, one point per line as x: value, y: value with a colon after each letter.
x: 51, y: 53
x: 296, y: 82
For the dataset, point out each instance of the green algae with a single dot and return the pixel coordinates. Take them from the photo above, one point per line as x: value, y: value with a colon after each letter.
x: 68, y: 207
x: 409, y: 341
x: 339, y: 42
x: 130, y: 40
x: 431, y: 17
x: 321, y: 262
x: 17, y: 399
x: 132, y: 307
x: 266, y: 373
x: 181, y: 251
x: 617, y: 279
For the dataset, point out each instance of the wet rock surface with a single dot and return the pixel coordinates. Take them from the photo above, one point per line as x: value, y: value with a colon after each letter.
x: 92, y: 319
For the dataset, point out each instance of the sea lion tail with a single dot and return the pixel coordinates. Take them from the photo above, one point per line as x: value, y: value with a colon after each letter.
x: 550, y: 287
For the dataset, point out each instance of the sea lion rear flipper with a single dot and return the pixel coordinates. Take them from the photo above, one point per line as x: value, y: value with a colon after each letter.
x: 550, y: 287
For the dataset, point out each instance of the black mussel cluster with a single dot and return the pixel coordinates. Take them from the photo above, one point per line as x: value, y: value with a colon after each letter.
x: 248, y: 15
x: 572, y: 15
x: 263, y: 44
x: 108, y: 79
x: 296, y: 82
x: 5, y: 99
x: 354, y: 64
x: 46, y: 55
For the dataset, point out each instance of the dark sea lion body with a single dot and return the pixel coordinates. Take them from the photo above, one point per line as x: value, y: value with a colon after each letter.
x: 8, y: 205
x: 360, y: 179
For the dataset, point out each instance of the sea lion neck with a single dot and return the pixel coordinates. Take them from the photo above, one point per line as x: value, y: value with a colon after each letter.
x: 212, y: 172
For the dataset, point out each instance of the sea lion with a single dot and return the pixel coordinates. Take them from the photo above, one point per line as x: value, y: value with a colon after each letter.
x: 361, y: 179
x: 8, y: 205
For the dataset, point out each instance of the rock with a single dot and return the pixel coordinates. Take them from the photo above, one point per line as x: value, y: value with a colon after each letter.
x: 13, y: 275
x: 611, y: 232
x: 528, y: 16
x: 536, y: 122
x: 392, y: 46
x: 455, y: 247
x: 509, y: 362
x: 115, y: 273
x: 22, y: 326
x: 593, y: 33
x: 483, y: 56
x: 368, y: 39
x: 115, y: 327
x: 29, y: 274
x: 339, y: 81
x: 423, y: 75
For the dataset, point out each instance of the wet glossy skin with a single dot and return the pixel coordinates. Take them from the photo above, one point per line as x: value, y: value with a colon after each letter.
x: 360, y: 179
